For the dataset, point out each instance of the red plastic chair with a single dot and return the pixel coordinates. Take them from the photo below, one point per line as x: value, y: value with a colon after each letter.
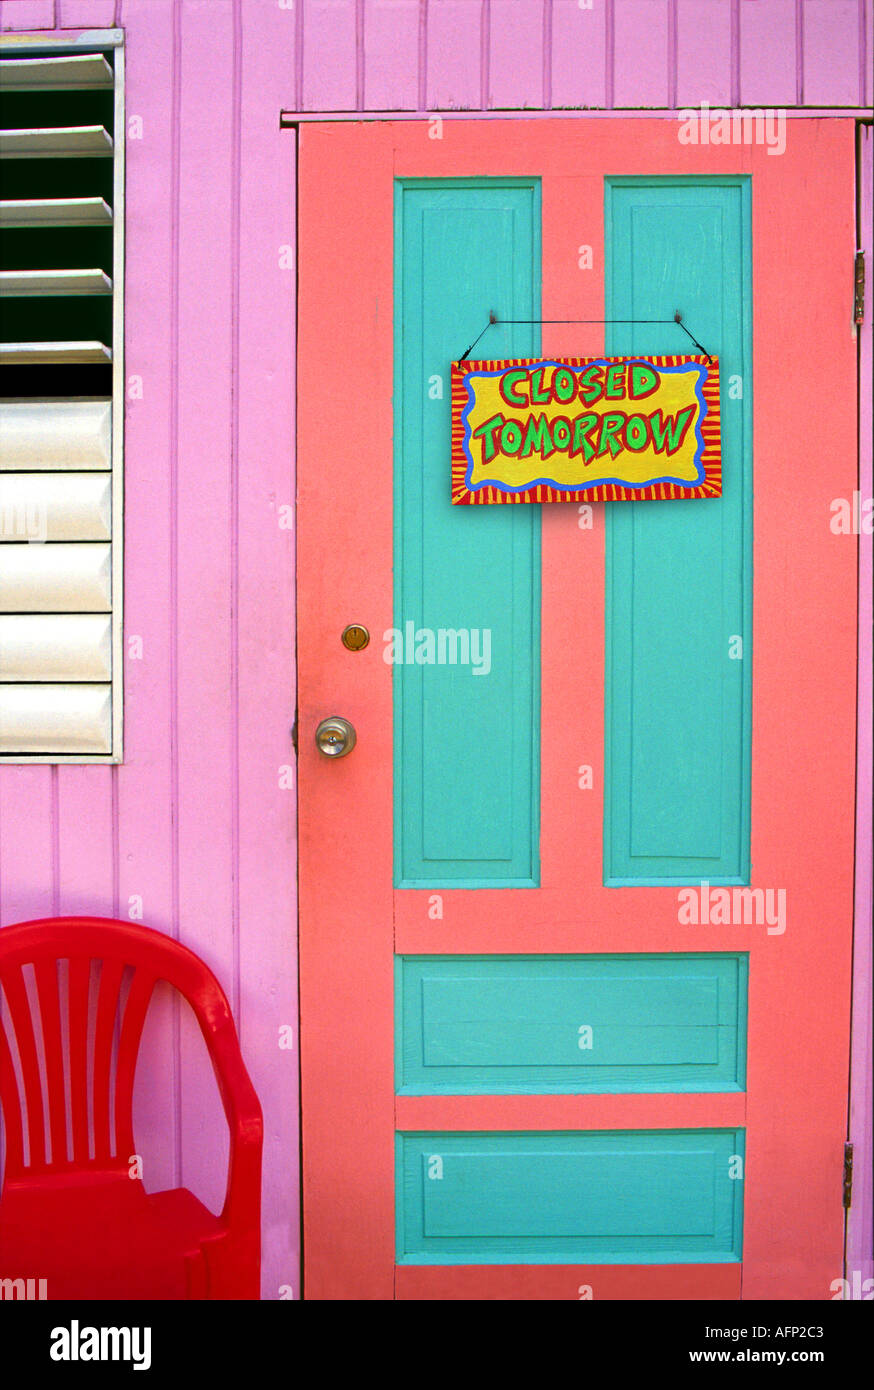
x: 79, y: 1220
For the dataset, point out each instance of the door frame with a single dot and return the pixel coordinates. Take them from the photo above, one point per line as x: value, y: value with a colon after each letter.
x: 331, y: 607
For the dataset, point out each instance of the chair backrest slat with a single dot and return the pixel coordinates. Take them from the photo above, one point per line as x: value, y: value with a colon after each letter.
x: 78, y: 997
x: 46, y: 975
x: 22, y: 1029
x: 104, y: 1036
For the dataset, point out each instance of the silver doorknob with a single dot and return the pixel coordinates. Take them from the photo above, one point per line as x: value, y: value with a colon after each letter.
x: 335, y: 737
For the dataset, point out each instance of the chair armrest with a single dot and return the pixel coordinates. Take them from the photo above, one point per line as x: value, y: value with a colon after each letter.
x: 243, y: 1113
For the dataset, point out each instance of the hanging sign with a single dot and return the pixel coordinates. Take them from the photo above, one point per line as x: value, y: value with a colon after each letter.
x: 585, y: 429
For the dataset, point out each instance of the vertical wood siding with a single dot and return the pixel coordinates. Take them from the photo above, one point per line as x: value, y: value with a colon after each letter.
x: 381, y: 55
x: 408, y: 55
x: 194, y: 829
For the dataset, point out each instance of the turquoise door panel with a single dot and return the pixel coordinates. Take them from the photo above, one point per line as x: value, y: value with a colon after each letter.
x: 609, y: 1197
x: 466, y: 735
x: 487, y: 1025
x: 679, y: 574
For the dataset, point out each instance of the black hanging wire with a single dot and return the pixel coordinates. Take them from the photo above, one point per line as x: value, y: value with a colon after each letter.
x: 677, y: 319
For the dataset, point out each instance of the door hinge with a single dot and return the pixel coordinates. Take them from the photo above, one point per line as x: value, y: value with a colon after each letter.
x: 859, y: 289
x: 848, y: 1176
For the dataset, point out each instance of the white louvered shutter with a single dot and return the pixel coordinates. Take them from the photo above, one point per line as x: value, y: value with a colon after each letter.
x: 61, y: 404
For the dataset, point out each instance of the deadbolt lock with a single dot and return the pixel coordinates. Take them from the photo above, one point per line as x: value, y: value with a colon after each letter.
x: 355, y: 637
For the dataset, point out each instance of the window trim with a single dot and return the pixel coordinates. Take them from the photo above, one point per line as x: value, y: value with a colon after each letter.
x: 97, y: 39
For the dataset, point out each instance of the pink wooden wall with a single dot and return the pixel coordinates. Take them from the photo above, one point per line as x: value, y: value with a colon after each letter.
x: 372, y: 55
x: 197, y: 822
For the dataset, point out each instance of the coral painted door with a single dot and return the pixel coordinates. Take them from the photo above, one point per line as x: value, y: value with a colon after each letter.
x: 576, y: 908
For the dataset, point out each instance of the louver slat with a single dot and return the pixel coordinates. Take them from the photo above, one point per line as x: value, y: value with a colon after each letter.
x: 56, y: 434
x: 54, y: 282
x: 55, y: 647
x: 40, y: 354
x: 43, y: 507
x: 63, y: 719
x: 55, y: 579
x: 56, y: 142
x: 71, y: 72
x: 54, y: 212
